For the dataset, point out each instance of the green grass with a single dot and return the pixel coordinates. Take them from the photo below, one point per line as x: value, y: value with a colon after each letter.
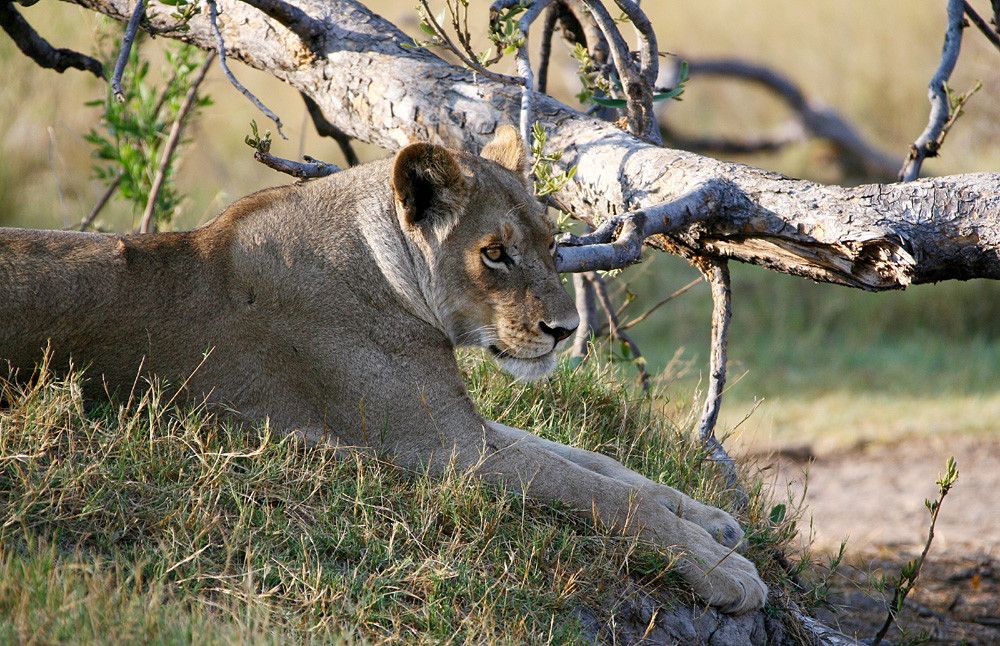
x: 152, y: 524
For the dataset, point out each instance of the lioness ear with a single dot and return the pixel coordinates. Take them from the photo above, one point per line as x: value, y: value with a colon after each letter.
x: 426, y: 177
x: 507, y: 149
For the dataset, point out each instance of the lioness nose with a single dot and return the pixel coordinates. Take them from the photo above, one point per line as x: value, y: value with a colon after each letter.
x: 558, y: 332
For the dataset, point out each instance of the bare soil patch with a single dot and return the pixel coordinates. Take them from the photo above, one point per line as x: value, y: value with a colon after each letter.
x: 873, y: 496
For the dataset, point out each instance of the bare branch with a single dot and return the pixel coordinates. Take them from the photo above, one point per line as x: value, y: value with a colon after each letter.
x: 327, y: 129
x: 101, y: 202
x: 638, y: 91
x: 171, y: 144
x: 586, y: 307
x: 130, y: 32
x: 39, y: 50
x: 981, y: 24
x: 649, y: 54
x: 545, y: 48
x: 818, y: 120
x: 522, y: 59
x: 599, y: 251
x: 220, y: 47
x: 716, y: 271
x: 927, y: 143
x: 312, y: 169
x: 296, y: 20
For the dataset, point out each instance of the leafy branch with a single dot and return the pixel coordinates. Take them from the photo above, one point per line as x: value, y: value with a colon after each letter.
x: 133, y: 135
x: 546, y: 180
x: 907, y: 579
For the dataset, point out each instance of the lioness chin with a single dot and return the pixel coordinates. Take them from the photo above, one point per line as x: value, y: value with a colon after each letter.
x: 335, y: 307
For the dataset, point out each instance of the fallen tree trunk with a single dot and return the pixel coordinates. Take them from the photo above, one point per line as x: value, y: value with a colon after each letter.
x: 369, y: 84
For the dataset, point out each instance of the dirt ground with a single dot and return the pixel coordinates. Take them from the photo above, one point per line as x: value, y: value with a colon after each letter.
x: 873, y: 496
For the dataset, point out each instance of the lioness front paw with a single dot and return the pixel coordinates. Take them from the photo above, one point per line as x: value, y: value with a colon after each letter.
x: 719, y: 525
x: 732, y: 584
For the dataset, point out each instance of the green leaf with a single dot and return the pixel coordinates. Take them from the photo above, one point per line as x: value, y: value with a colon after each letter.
x: 609, y: 102
x: 677, y: 91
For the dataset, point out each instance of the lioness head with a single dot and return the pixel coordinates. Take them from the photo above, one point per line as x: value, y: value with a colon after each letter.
x: 488, y: 251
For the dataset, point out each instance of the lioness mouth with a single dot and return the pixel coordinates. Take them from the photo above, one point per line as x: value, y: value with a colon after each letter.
x: 503, y: 354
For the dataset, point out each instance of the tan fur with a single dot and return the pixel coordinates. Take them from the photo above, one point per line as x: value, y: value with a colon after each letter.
x: 333, y: 309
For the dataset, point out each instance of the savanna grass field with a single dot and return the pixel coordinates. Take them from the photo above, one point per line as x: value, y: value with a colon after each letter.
x: 151, y: 524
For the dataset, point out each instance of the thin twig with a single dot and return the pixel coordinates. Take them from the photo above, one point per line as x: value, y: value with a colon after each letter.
x: 908, y: 577
x: 522, y: 60
x: 522, y: 63
x: 957, y: 110
x: 927, y: 143
x: 312, y: 169
x: 545, y: 48
x: 326, y: 129
x: 716, y: 271
x: 468, y: 61
x: 39, y: 50
x: 983, y: 26
x: 130, y: 32
x: 220, y: 45
x: 666, y: 300
x: 601, y: 291
x: 171, y: 144
x: 101, y: 202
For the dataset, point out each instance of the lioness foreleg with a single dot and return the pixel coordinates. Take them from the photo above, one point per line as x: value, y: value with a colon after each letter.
x: 722, y: 577
x: 719, y: 524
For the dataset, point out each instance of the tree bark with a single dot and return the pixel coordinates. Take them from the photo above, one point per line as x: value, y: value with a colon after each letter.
x: 368, y: 84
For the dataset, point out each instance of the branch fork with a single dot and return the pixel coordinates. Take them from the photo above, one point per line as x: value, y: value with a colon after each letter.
x: 618, y: 241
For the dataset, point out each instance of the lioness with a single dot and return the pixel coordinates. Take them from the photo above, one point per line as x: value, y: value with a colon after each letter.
x: 333, y: 308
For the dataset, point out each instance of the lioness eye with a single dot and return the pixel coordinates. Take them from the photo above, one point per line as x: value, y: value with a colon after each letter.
x: 494, y: 253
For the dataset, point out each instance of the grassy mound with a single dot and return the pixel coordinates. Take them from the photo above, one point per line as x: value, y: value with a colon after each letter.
x: 150, y: 523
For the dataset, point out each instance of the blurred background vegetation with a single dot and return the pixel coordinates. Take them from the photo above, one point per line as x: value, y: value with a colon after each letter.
x: 835, y: 366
